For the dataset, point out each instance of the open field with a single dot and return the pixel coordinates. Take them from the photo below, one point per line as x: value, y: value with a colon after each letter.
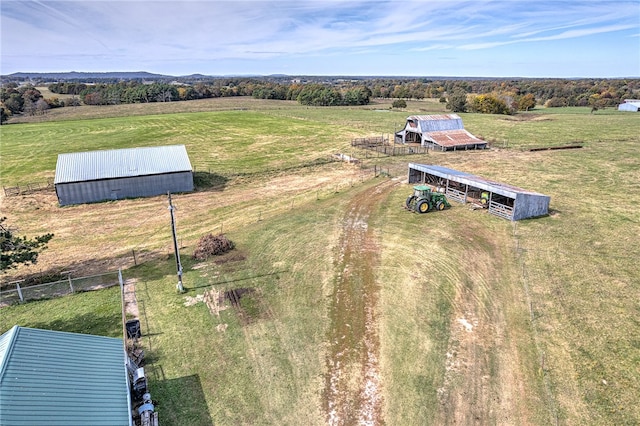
x: 478, y: 320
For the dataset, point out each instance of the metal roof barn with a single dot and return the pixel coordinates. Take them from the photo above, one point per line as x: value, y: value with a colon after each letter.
x: 630, y: 105
x: 444, y: 132
x: 507, y: 201
x: 93, y: 176
x: 57, y: 378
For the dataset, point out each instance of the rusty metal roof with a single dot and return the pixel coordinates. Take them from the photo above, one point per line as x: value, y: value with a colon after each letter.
x: 445, y: 130
x: 451, y: 138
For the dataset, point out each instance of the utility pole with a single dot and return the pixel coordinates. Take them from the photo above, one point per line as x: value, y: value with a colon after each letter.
x: 175, y: 245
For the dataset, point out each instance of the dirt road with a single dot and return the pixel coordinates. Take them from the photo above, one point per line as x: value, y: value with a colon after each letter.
x: 352, y: 384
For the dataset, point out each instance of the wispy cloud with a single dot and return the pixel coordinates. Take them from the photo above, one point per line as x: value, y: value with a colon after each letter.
x: 141, y: 32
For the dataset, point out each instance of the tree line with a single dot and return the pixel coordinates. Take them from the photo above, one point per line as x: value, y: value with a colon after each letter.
x: 499, y: 96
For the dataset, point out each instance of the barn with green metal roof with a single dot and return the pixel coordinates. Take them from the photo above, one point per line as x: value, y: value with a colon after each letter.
x: 67, y: 379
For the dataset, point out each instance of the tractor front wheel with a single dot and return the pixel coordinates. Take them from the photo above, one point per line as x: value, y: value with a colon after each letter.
x: 422, y: 206
x: 440, y: 206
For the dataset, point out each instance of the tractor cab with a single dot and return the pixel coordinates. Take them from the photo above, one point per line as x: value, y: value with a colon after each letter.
x: 421, y: 191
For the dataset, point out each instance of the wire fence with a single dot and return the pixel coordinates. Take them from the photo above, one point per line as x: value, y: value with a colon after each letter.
x: 17, y: 292
x: 28, y: 188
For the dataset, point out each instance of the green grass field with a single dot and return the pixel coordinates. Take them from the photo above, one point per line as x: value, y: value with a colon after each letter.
x: 552, y: 302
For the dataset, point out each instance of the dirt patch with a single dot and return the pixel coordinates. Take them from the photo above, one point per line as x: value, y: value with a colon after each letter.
x: 232, y: 257
x: 247, y: 303
x: 130, y: 299
x: 352, y: 393
x: 528, y: 117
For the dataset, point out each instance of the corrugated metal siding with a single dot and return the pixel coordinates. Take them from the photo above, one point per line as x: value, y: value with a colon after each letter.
x: 439, y: 123
x: 526, y: 203
x: 530, y: 205
x: 117, y: 163
x: 118, y: 189
x: 54, y: 378
x: 630, y: 106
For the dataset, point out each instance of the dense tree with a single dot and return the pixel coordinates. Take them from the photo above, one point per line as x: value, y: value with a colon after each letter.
x: 19, y: 250
x: 72, y: 102
x: 526, y: 102
x: 14, y: 103
x: 4, y: 115
x: 457, y: 101
x: 488, y: 104
x: 357, y: 96
x: 555, y: 102
x: 29, y: 107
x: 399, y: 103
x: 67, y: 88
x: 319, y: 95
x: 41, y: 106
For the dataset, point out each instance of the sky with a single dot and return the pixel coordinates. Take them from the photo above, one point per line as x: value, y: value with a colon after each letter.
x: 507, y: 38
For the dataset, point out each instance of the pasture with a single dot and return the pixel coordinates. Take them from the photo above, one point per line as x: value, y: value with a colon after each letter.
x: 479, y: 320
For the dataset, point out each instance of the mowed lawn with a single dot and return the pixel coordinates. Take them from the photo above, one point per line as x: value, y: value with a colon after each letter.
x: 552, y: 301
x: 221, y: 142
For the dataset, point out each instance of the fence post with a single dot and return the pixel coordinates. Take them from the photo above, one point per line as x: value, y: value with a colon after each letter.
x: 70, y: 284
x: 19, y: 292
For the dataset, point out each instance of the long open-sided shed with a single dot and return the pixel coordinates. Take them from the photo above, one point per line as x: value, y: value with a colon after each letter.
x: 443, y: 132
x: 504, y: 200
x: 87, y: 177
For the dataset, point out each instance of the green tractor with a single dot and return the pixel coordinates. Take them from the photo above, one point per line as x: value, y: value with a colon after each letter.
x: 423, y: 200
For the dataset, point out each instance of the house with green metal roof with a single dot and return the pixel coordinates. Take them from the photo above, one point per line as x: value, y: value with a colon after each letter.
x: 57, y: 378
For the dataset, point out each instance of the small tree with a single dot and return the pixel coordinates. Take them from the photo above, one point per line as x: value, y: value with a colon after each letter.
x: 19, y: 250
x: 4, y: 115
x: 399, y: 103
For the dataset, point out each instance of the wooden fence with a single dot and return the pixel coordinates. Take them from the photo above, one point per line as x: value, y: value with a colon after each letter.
x: 381, y: 146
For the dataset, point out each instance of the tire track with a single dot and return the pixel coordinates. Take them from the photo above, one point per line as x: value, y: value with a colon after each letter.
x: 352, y: 383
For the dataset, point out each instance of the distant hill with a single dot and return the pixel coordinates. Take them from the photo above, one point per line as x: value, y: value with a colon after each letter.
x: 86, y: 76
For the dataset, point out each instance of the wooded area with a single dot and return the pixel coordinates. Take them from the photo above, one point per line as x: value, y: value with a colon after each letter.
x: 488, y: 95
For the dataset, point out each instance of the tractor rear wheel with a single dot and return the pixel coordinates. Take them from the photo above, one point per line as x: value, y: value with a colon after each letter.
x: 409, y: 201
x: 440, y: 206
x: 422, y: 206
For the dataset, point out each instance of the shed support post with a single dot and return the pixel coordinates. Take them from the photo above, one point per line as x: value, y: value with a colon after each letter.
x: 70, y: 284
